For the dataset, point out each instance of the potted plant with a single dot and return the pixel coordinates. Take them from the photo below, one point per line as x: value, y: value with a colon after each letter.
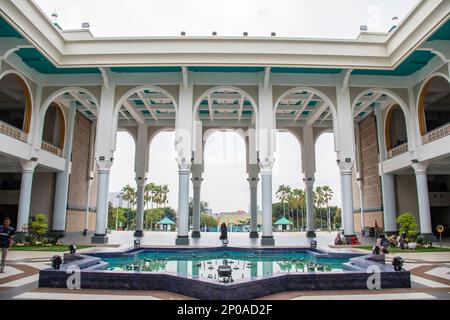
x: 408, y: 225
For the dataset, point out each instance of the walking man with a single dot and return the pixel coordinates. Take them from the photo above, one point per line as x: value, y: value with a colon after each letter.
x: 6, y: 235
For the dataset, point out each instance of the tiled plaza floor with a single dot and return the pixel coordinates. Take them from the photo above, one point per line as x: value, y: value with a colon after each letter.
x: 430, y: 272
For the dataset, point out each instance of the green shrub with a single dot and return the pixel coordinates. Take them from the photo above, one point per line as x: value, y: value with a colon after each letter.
x: 38, y: 227
x: 408, y: 225
x: 53, y: 237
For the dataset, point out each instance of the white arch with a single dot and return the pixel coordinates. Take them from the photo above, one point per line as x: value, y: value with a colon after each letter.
x: 321, y: 133
x: 421, y: 88
x: 25, y: 80
x: 208, y: 133
x: 131, y: 133
x: 28, y: 87
x: 158, y: 131
x: 398, y: 100
x: 322, y: 96
x: 222, y: 87
x: 125, y: 96
x: 47, y: 103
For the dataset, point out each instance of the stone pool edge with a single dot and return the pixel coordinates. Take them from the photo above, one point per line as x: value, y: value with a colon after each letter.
x: 93, y: 276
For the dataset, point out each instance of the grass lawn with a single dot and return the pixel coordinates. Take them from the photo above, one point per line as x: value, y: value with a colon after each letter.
x: 52, y: 248
x: 395, y: 250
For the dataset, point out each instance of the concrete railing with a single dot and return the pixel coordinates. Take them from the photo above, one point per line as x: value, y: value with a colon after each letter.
x: 437, y: 133
x: 13, y: 132
x: 439, y: 199
x: 51, y: 148
x: 398, y: 150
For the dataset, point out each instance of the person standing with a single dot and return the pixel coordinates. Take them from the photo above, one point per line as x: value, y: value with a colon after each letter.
x: 223, y: 233
x: 6, y: 238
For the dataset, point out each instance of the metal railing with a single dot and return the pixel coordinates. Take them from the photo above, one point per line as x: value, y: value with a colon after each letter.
x: 51, y: 148
x: 398, y: 150
x: 12, y: 131
x: 437, y: 133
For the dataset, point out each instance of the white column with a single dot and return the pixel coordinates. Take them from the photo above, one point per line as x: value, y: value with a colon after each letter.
x: 106, y: 130
x: 104, y: 167
x: 140, y: 184
x: 141, y: 167
x: 387, y: 181
x: 253, y: 183
x: 183, y: 145
x: 196, y: 183
x: 266, y: 187
x: 184, y: 170
x: 62, y: 177
x: 347, y: 198
x: 346, y: 155
x: 90, y: 179
x: 25, y: 193
x: 309, y: 168
x: 89, y: 182
x: 420, y: 169
x: 309, y: 186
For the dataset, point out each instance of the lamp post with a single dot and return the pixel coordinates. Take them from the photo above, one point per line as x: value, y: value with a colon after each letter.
x: 118, y: 196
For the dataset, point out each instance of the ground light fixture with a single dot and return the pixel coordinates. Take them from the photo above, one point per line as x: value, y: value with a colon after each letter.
x: 56, y: 262
x: 397, y: 262
x: 73, y: 248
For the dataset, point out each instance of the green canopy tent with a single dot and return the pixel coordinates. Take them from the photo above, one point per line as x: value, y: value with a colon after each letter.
x: 283, y: 224
x: 165, y: 224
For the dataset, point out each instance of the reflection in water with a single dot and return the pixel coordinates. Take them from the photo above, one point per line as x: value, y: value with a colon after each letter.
x: 243, y: 264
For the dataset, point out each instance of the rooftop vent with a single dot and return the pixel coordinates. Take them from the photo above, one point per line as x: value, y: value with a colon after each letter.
x: 183, y: 33
x: 245, y: 34
x: 363, y: 28
x: 85, y: 25
x: 273, y: 34
x: 214, y: 33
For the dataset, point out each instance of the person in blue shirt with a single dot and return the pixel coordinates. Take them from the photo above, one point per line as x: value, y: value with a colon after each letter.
x: 6, y: 237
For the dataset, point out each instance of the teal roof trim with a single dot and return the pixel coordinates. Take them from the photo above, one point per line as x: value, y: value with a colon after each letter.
x: 34, y: 59
x: 226, y: 69
x: 305, y: 70
x: 145, y: 69
x: 6, y: 31
x: 416, y: 61
x: 443, y: 33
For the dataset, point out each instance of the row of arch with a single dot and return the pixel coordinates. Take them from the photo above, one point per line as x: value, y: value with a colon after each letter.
x: 20, y: 117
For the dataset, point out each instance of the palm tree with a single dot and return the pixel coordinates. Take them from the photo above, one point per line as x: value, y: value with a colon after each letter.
x: 327, y: 197
x: 283, y: 195
x: 129, y: 195
x: 319, y: 200
x: 164, y: 194
x: 148, y: 198
x: 298, y: 202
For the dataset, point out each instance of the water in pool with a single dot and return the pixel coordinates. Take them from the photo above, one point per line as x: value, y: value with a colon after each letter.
x: 243, y: 264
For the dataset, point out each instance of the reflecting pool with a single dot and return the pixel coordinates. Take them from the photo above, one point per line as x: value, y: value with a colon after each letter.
x: 247, y: 264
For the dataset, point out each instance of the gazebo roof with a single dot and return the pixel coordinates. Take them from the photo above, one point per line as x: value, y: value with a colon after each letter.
x: 283, y: 221
x: 166, y: 221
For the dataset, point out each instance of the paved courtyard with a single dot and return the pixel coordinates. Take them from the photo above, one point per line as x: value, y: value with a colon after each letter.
x: 430, y: 271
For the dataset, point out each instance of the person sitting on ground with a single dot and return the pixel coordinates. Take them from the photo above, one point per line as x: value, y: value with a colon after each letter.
x: 402, y: 242
x: 384, y: 243
x: 376, y: 249
x: 355, y: 240
x: 338, y: 239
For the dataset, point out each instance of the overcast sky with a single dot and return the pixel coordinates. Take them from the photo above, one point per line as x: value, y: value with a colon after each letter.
x: 225, y: 186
